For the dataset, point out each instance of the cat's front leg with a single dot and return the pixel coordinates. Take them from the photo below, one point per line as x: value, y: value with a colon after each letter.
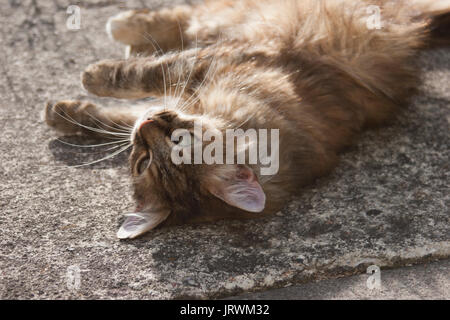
x: 138, y: 78
x: 79, y: 117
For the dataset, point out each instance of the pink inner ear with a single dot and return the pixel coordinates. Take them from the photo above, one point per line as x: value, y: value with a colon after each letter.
x: 242, y: 191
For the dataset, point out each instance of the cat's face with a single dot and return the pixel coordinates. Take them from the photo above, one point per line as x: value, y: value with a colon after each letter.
x: 165, y: 189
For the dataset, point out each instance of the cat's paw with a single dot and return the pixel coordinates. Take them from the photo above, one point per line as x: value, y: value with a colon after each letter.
x: 129, y: 27
x: 114, y: 78
x: 99, y: 77
x: 67, y: 116
x: 146, y: 32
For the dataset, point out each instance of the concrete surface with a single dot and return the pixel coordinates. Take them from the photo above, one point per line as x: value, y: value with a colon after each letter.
x: 386, y: 204
x: 420, y: 282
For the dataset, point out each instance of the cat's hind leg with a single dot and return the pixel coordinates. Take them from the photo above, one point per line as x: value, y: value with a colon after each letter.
x: 146, y: 32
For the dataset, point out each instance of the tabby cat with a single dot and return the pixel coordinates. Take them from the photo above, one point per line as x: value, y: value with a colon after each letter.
x: 319, y: 71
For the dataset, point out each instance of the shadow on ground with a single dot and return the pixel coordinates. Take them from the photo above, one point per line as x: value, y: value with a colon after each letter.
x: 81, y: 152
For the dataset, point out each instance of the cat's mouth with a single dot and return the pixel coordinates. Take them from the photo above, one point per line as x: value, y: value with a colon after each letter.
x: 147, y: 116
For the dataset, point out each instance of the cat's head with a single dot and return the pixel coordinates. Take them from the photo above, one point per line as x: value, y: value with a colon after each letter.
x: 168, y: 187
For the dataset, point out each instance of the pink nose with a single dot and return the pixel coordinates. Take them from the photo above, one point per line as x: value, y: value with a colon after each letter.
x: 144, y: 123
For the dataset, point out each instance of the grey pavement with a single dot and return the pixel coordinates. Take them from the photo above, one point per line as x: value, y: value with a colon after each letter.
x: 430, y: 281
x: 386, y: 204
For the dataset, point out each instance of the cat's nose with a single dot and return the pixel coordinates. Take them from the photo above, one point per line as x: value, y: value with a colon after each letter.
x: 144, y: 123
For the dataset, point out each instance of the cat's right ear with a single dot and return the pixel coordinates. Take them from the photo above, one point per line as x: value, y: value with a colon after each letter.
x: 139, y: 223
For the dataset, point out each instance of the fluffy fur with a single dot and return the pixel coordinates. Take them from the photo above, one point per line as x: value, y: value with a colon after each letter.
x: 312, y: 69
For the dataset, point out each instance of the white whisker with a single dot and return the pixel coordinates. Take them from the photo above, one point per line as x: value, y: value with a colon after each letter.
x: 189, y: 102
x: 190, y: 72
x: 118, y: 129
x: 103, y: 159
x: 71, y: 120
x: 92, y: 145
x: 162, y: 67
x: 194, y: 97
x: 182, y: 49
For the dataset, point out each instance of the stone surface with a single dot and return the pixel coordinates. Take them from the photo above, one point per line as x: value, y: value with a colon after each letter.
x: 386, y: 203
x: 426, y: 281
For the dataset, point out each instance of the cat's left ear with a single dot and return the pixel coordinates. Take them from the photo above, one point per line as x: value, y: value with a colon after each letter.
x: 240, y: 189
x: 138, y: 223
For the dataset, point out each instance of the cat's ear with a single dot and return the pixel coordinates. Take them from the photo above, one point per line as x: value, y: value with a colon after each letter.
x: 138, y: 223
x: 240, y: 189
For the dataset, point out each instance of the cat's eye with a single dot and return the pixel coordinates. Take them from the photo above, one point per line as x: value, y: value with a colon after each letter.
x: 184, y: 140
x: 143, y: 163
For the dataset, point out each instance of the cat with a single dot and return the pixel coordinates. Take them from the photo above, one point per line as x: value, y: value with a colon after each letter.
x: 316, y: 71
